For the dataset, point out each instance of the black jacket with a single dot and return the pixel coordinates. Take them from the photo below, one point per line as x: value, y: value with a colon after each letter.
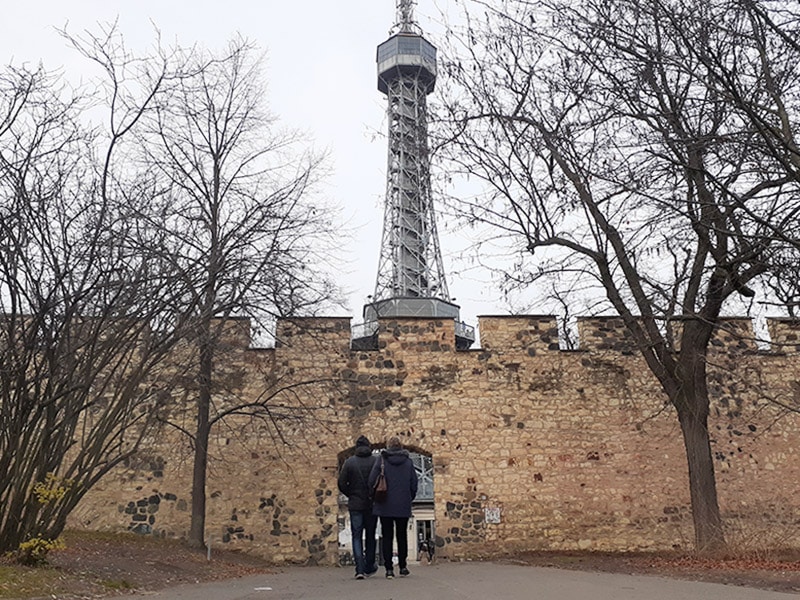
x: 354, y: 476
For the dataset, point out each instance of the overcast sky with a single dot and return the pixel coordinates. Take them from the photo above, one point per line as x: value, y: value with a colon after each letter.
x: 320, y: 68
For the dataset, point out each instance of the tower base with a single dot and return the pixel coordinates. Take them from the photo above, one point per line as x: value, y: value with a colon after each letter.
x: 365, y: 336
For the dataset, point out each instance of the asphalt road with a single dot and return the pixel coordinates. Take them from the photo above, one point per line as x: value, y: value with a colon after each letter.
x: 458, y: 581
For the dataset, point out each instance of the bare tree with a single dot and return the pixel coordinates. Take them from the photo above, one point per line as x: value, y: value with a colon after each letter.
x: 185, y: 208
x: 605, y: 150
x: 757, y: 77
x: 85, y: 321
x: 238, y: 219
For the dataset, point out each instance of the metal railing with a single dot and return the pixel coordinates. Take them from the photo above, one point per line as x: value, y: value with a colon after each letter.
x: 370, y: 328
x: 465, y: 331
x: 363, y: 330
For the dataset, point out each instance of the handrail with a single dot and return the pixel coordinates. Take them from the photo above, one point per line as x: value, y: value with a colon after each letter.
x: 363, y: 330
x: 465, y: 331
x: 370, y: 328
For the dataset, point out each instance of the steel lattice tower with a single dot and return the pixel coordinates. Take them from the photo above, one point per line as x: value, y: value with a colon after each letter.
x: 411, y: 280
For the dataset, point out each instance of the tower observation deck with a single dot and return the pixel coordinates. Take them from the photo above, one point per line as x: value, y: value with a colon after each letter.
x: 411, y: 280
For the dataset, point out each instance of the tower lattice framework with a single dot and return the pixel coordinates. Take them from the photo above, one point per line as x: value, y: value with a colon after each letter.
x: 410, y: 262
x: 411, y: 279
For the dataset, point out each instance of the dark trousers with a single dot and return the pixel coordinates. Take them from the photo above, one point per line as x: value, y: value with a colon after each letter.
x: 363, y: 523
x: 390, y: 525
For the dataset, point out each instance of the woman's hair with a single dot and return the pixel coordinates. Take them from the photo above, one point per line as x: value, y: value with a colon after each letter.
x: 394, y: 443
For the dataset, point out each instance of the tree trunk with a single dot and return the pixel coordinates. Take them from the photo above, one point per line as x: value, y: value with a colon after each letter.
x: 693, y: 416
x: 198, y: 522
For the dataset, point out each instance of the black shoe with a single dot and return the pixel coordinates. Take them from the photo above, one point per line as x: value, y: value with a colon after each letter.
x: 372, y: 572
x: 389, y: 574
x: 359, y: 576
x: 404, y: 571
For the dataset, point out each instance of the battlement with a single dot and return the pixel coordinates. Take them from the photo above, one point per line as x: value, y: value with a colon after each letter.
x: 233, y: 332
x: 731, y: 334
x: 431, y: 334
x: 784, y: 334
x: 537, y: 333
x: 308, y: 334
x: 604, y: 333
x: 532, y: 334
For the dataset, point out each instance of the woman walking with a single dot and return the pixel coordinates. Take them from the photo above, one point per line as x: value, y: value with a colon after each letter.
x: 395, y: 510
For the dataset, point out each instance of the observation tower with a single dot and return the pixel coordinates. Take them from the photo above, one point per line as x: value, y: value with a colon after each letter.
x: 411, y: 279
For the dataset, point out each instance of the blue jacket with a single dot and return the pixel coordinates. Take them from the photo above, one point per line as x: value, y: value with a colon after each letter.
x: 401, y: 480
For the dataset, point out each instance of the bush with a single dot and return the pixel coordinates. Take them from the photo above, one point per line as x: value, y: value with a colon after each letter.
x: 34, y: 552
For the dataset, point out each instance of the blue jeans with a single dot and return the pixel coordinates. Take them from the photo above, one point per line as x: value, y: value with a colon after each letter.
x: 363, y: 522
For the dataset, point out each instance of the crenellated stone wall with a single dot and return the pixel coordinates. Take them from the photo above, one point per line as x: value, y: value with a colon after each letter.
x: 532, y: 447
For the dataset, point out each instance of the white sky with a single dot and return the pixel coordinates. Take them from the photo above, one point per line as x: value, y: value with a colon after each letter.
x: 320, y: 69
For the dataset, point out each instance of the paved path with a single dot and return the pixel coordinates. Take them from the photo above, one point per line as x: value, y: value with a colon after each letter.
x: 459, y: 581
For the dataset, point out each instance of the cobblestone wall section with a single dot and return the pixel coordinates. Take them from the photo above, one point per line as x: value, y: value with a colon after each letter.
x: 532, y: 447
x: 529, y: 333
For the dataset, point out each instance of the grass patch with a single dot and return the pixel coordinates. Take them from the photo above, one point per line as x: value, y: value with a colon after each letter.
x: 28, y: 582
x: 97, y: 564
x: 77, y: 537
x: 117, y: 585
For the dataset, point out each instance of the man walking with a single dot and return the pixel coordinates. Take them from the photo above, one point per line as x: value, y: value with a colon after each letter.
x: 353, y: 483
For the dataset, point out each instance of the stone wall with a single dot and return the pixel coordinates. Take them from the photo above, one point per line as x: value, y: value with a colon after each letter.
x: 572, y: 449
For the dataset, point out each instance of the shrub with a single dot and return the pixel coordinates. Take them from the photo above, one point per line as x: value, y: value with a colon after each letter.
x: 34, y: 552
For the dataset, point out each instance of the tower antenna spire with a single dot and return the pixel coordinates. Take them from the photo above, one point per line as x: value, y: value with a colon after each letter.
x: 411, y: 280
x: 405, y: 18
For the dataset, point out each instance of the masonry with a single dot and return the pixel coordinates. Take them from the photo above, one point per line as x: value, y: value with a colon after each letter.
x: 532, y: 447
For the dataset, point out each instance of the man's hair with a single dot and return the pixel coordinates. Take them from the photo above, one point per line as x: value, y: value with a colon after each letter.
x: 394, y: 443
